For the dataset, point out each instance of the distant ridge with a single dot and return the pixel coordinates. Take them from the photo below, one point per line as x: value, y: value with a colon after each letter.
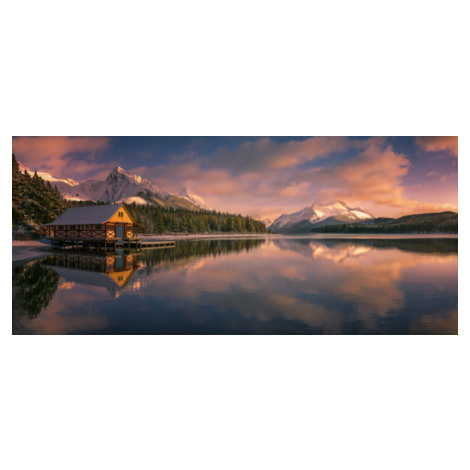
x: 428, y: 223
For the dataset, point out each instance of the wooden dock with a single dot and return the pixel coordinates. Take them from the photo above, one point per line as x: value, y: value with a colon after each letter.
x: 108, y: 244
x: 98, y: 244
x: 157, y: 244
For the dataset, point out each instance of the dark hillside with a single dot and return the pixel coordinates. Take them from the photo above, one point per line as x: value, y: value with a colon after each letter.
x: 439, y: 222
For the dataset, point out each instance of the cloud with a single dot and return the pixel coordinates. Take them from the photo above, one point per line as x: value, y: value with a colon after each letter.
x: 261, y: 177
x: 373, y: 176
x: 439, y: 144
x: 446, y: 177
x: 253, y: 165
x: 286, y: 176
x: 285, y: 183
x: 266, y: 153
x: 62, y: 156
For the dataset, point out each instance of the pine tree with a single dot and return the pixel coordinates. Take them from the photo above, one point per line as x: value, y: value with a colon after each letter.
x: 17, y: 191
x: 34, y: 201
x: 238, y: 224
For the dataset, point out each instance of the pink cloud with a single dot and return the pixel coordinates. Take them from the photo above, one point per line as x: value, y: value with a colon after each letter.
x: 55, y: 154
x: 439, y: 144
x: 451, y: 176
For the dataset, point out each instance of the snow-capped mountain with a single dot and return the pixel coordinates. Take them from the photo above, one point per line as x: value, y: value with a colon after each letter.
x: 195, y: 199
x: 120, y: 186
x: 316, y: 215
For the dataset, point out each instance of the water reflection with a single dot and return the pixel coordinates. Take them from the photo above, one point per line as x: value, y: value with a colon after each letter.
x: 35, y: 287
x: 111, y: 271
x: 282, y: 286
x: 345, y: 248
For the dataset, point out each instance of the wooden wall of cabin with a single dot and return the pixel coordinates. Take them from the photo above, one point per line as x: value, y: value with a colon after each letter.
x: 129, y: 231
x: 78, y: 231
x: 121, y: 217
x: 102, y: 231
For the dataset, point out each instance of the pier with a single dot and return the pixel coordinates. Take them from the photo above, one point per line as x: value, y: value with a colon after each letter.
x: 109, y: 244
x: 95, y: 244
x: 157, y: 244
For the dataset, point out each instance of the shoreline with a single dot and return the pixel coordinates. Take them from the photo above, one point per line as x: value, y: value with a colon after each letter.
x: 178, y: 237
x: 24, y: 251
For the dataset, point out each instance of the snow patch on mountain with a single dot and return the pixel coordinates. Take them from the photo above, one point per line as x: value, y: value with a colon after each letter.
x: 134, y: 200
x: 195, y: 199
x: 120, y: 185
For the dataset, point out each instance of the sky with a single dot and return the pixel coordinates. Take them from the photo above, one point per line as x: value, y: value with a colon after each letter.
x: 268, y: 176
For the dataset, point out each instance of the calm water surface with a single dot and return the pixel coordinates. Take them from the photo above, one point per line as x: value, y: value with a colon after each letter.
x: 256, y: 286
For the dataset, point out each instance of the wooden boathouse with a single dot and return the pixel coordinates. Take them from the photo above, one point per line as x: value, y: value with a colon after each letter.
x: 101, y: 227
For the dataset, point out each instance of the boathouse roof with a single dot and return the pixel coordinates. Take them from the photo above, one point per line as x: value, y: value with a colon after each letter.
x: 87, y: 215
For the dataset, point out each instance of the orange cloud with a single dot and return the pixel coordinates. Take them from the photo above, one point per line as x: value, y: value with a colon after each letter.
x: 373, y: 178
x: 439, y: 144
x: 374, y: 175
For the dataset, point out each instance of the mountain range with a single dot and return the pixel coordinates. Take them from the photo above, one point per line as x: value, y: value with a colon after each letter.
x: 121, y: 186
x: 315, y: 216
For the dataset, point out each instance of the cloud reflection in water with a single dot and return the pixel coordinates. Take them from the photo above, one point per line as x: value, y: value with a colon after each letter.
x: 282, y: 286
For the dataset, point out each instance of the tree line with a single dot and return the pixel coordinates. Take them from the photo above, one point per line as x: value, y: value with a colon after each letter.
x: 433, y: 223
x: 156, y: 219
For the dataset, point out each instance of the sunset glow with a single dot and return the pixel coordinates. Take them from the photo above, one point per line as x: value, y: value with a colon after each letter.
x: 268, y: 176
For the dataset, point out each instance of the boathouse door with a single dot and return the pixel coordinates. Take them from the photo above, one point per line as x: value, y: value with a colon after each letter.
x: 120, y: 232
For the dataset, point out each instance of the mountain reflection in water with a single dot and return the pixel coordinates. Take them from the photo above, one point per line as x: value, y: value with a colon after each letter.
x: 252, y: 286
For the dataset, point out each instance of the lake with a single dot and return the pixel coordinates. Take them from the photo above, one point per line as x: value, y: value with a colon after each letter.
x: 281, y: 285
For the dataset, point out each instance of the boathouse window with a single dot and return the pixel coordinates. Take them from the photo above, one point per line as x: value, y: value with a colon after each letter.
x: 72, y: 227
x: 97, y: 227
x: 120, y: 214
